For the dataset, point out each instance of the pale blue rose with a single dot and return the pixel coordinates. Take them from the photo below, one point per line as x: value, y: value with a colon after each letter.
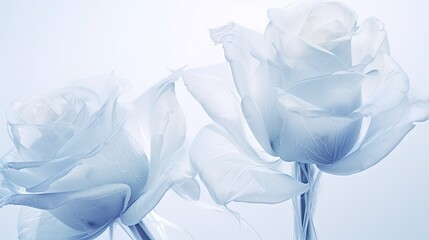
x: 82, y: 160
x: 315, y: 88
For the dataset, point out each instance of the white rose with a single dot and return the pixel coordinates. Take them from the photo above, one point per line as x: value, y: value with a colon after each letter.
x: 83, y: 160
x: 315, y: 88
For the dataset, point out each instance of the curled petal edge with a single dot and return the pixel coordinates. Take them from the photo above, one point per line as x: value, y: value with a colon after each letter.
x: 375, y: 148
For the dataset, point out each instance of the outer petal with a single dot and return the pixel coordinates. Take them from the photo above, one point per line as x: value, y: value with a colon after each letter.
x: 178, y: 175
x: 262, y: 103
x: 213, y: 87
x: 378, y: 144
x: 36, y: 175
x: 182, y: 173
x: 168, y: 130
x: 35, y: 224
x: 244, y: 49
x: 338, y: 93
x: 230, y: 174
x: 160, y: 117
x: 5, y: 191
x: 188, y: 189
x: 311, y: 135
x: 257, y: 124
x: 143, y: 205
x: 4, y: 195
x: 142, y: 114
x: 385, y: 87
x: 369, y: 40
x: 85, y: 210
x: 121, y: 161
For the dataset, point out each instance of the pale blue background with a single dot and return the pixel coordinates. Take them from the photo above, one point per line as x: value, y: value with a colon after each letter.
x: 46, y: 44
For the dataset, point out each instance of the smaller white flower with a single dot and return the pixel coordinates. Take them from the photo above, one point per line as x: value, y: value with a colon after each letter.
x: 82, y: 160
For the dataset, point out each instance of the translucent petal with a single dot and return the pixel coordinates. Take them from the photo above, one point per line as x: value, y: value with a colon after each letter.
x: 264, y: 79
x: 105, y: 87
x: 312, y: 37
x: 370, y: 152
x: 230, y: 174
x: 180, y: 167
x: 86, y: 210
x: 164, y: 229
x: 369, y: 39
x: 121, y: 157
x: 188, y: 189
x: 409, y: 111
x: 341, y: 48
x: 5, y: 191
x: 143, y: 205
x: 338, y: 93
x: 168, y: 129
x: 213, y: 87
x: 103, y: 123
x: 387, y: 119
x: 379, y: 144
x: 97, y: 131
x: 151, y: 115
x: 177, y: 174
x: 120, y: 161
x: 256, y: 123
x: 292, y: 18
x: 40, y: 143
x: 300, y: 59
x: 43, y: 127
x: 4, y: 196
x: 68, y: 163
x: 318, y: 23
x: 310, y: 135
x: 327, y: 22
x: 160, y: 117
x: 385, y: 87
x: 57, y: 107
x: 35, y: 224
x: 35, y: 175
x: 16, y: 176
x: 418, y: 111
x: 243, y: 50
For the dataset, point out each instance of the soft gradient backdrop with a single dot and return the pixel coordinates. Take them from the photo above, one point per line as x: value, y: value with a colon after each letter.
x: 45, y: 44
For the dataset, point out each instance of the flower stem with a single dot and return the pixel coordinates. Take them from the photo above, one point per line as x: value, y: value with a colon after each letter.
x: 304, y: 205
x: 140, y: 232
